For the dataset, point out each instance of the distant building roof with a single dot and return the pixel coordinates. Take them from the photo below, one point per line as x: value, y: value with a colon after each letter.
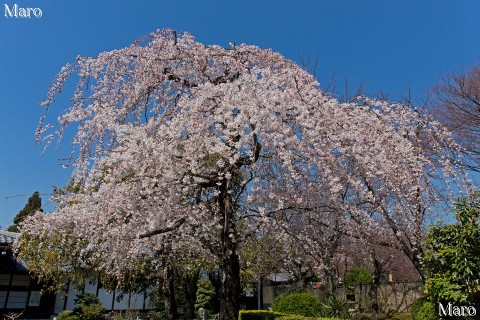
x: 8, y: 261
x: 280, y: 277
x: 7, y: 237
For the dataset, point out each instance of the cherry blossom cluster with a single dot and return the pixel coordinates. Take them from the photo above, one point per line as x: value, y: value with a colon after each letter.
x: 166, y: 127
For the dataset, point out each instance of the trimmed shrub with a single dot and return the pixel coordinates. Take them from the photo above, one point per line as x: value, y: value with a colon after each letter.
x: 258, y: 315
x: 87, y: 307
x: 94, y: 311
x: 294, y: 317
x: 272, y: 315
x: 422, y: 309
x: 302, y: 304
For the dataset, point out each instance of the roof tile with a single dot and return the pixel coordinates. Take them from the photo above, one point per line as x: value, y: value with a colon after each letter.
x: 7, y: 237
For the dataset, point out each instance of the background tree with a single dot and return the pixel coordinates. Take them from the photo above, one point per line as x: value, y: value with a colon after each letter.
x: 187, y: 150
x: 358, y: 275
x: 453, y: 255
x: 33, y: 205
x: 456, y: 103
x: 205, y: 295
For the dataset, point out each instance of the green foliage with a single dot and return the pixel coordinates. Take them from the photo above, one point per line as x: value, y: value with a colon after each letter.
x: 336, y: 307
x: 85, y: 299
x: 33, y: 205
x: 295, y: 317
x: 358, y: 275
x: 402, y: 316
x: 67, y: 315
x: 205, y: 294
x: 422, y: 309
x: 303, y: 304
x: 452, y: 254
x: 395, y: 316
x: 88, y: 307
x: 260, y: 255
x: 272, y: 315
x: 186, y: 285
x: 92, y: 312
x: 127, y: 315
x: 155, y: 315
x: 417, y: 304
x: 53, y: 258
x: 389, y: 316
x: 258, y: 315
x: 363, y: 316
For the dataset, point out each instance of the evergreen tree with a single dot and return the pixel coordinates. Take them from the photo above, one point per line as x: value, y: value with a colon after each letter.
x: 453, y: 255
x: 33, y: 205
x: 205, y: 295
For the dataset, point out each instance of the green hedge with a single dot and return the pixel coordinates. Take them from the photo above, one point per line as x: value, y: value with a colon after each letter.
x: 259, y: 315
x: 302, y: 304
x: 422, y: 309
x: 294, y: 317
x: 272, y: 315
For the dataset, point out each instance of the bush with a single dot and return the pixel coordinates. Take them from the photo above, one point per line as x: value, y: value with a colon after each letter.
x: 336, y: 307
x: 205, y: 295
x: 394, y: 316
x: 272, y: 315
x: 87, y: 307
x: 302, y: 304
x: 155, y: 315
x: 294, y: 317
x: 94, y: 311
x: 258, y: 315
x: 422, y: 309
x: 67, y: 315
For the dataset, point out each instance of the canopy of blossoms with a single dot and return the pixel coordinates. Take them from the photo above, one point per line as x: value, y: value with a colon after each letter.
x: 185, y: 148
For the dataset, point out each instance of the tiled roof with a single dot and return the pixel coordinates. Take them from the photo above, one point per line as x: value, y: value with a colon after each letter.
x: 8, y: 262
x: 7, y: 237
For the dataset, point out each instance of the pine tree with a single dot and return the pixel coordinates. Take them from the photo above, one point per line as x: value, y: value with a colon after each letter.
x: 33, y: 205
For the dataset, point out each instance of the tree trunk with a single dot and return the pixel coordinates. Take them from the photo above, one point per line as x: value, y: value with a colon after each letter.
x: 190, y: 284
x: 416, y: 260
x: 169, y: 293
x: 230, y: 284
x: 330, y: 285
x: 230, y: 281
x: 374, y: 299
x: 374, y: 287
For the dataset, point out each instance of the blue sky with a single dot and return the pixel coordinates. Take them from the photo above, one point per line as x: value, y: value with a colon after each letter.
x: 389, y: 45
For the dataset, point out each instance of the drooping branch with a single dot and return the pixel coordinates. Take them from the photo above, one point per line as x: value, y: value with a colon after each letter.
x: 173, y: 227
x: 212, y: 117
